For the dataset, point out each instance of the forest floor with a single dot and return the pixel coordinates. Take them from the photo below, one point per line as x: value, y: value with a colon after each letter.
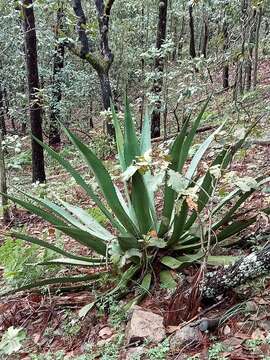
x: 54, y: 329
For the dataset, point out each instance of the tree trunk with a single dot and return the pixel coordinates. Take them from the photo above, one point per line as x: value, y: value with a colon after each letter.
x: 225, y: 76
x: 256, y: 55
x: 58, y: 65
x: 205, y: 37
x: 192, y: 49
x: 159, y: 66
x: 38, y: 170
x: 251, y: 42
x: 2, y: 114
x: 249, y: 267
x: 104, y: 60
x: 3, y: 184
x: 106, y: 94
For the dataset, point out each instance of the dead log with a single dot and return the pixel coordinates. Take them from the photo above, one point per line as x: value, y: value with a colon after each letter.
x: 249, y: 267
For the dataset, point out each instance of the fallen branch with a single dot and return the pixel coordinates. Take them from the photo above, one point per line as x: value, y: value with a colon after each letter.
x: 249, y: 267
x: 200, y: 130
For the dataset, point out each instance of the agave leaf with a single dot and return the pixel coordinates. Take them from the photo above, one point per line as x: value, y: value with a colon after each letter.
x: 221, y: 260
x: 166, y: 280
x: 190, y: 137
x: 38, y: 211
x: 105, y: 182
x: 170, y: 194
x: 179, y: 223
x: 171, y: 262
x: 80, y: 181
x: 238, y: 226
x: 142, y: 204
x: 128, y: 242
x: 83, y: 220
x: 228, y: 216
x: 90, y: 223
x: 146, y: 283
x: 52, y: 247
x: 209, y: 182
x: 85, y: 309
x: 131, y: 145
x: 52, y: 281
x: 144, y: 290
x: 71, y: 262
x: 86, y: 239
x: 146, y: 134
x: 119, y: 138
x: 200, y: 152
x: 261, y: 181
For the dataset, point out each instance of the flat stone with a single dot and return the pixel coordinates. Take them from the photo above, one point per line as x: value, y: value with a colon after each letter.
x: 134, y: 353
x: 188, y: 335
x: 144, y: 325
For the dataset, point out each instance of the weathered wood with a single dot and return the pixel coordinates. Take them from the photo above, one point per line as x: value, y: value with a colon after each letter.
x: 249, y: 267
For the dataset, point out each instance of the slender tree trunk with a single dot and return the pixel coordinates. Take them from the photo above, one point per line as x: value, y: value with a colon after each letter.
x: 205, y: 37
x: 181, y: 37
x: 251, y: 42
x: 106, y: 94
x: 2, y: 114
x: 3, y: 184
x: 159, y: 66
x: 192, y: 48
x: 256, y: 55
x: 38, y: 169
x: 6, y: 109
x: 58, y: 65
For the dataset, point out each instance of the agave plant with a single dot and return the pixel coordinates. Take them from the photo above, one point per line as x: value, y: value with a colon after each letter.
x: 144, y: 239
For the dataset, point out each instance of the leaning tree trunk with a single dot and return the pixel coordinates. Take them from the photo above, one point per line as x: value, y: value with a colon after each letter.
x: 58, y: 65
x: 38, y: 169
x: 159, y: 66
x: 246, y: 268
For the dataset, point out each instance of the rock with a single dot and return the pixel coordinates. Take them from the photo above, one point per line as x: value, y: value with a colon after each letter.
x: 134, y: 353
x: 105, y: 332
x: 251, y: 306
x: 144, y: 325
x: 265, y: 325
x: 188, y: 335
x: 103, y: 342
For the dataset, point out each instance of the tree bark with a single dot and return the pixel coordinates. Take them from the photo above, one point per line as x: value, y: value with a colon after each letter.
x: 38, y: 169
x: 3, y: 184
x: 58, y: 65
x: 251, y: 42
x: 205, y: 37
x: 2, y: 113
x: 100, y: 62
x: 256, y: 55
x: 106, y: 94
x: 159, y: 67
x: 225, y: 77
x: 243, y: 270
x: 192, y: 48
